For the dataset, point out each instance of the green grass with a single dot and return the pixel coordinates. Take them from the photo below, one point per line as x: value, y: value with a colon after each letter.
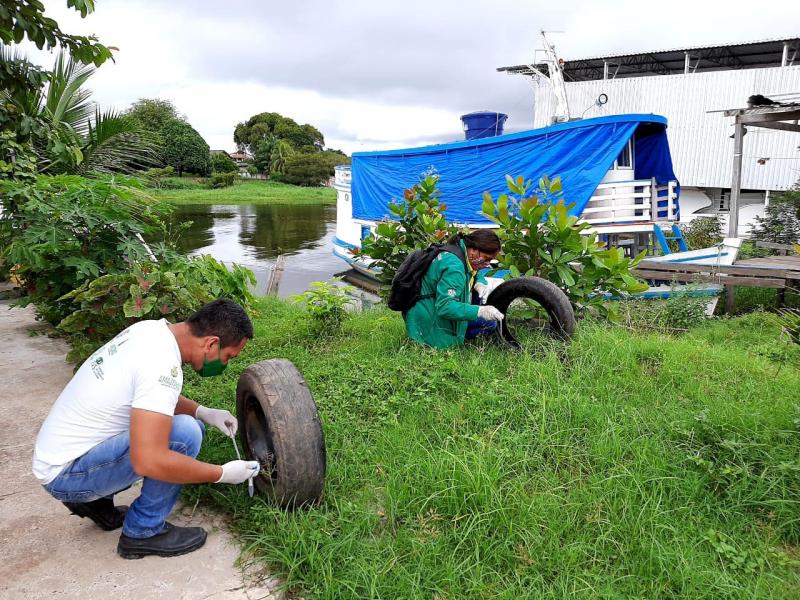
x: 251, y: 192
x: 627, y: 465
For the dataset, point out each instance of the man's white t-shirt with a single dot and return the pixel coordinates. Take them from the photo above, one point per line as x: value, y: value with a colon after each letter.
x: 140, y: 368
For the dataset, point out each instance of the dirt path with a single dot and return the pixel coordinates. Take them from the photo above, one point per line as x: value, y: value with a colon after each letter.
x: 47, y: 553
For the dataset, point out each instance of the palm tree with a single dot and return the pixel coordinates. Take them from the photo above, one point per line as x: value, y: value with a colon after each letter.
x: 71, y: 134
x: 280, y: 152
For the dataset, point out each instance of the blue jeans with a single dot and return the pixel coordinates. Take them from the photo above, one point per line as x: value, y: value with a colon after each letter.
x: 479, y: 326
x: 106, y: 469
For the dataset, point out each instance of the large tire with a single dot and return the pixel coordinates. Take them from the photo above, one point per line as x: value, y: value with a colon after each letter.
x: 280, y: 428
x: 555, y: 302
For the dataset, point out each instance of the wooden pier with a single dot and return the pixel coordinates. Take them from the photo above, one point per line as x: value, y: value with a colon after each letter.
x: 776, y: 272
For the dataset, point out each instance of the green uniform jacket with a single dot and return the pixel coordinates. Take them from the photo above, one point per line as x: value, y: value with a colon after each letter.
x: 441, y: 321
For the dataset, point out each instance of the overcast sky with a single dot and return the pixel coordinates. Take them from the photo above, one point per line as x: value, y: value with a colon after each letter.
x: 378, y: 74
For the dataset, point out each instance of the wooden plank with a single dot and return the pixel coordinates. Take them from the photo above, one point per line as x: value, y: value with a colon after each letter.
x: 765, y: 282
x: 773, y: 245
x: 756, y: 119
x: 724, y: 269
x: 779, y: 125
x: 277, y: 273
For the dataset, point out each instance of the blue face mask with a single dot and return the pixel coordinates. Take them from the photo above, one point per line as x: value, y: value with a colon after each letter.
x: 212, y: 368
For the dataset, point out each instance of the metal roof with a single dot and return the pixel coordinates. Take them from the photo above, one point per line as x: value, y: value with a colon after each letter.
x: 748, y: 55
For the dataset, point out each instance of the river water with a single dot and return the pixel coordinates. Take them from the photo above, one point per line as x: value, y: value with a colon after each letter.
x: 254, y: 235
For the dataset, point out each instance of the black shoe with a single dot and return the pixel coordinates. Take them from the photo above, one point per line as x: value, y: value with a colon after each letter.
x: 103, y: 512
x: 173, y: 541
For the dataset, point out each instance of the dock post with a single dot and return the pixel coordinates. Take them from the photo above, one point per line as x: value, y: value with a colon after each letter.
x: 275, y: 279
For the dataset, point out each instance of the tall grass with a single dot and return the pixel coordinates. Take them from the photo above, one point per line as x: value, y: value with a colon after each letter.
x: 251, y: 192
x: 628, y: 465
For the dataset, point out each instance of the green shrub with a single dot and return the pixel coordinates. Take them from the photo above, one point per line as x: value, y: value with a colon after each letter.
x: 157, y: 177
x: 419, y: 223
x: 182, y: 183
x: 222, y: 163
x: 781, y: 221
x: 221, y: 180
x: 109, y: 304
x: 703, y: 232
x: 60, y: 232
x: 325, y: 303
x: 541, y: 239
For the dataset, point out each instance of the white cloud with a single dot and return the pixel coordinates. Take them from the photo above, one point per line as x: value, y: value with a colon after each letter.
x: 376, y: 75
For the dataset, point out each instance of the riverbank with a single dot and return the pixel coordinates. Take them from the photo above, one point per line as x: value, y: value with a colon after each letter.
x: 627, y: 465
x: 250, y: 192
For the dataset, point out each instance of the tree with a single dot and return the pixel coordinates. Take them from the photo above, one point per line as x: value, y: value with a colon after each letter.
x: 186, y: 150
x: 222, y: 163
x: 305, y: 170
x: 781, y: 221
x: 280, y: 153
x: 153, y: 114
x: 260, y: 127
x: 262, y: 153
x: 80, y: 137
x: 19, y: 78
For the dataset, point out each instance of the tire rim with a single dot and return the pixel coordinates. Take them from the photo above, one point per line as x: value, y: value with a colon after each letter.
x: 258, y: 438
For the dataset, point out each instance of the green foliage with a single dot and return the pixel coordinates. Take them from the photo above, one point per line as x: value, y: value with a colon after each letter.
x: 781, y: 221
x: 221, y: 180
x: 157, y: 177
x: 542, y: 239
x: 62, y: 231
x: 182, y: 183
x: 325, y: 303
x: 262, y: 153
x: 69, y: 134
x: 19, y: 79
x: 703, y: 232
x: 25, y: 18
x: 173, y: 289
x: 304, y: 169
x: 563, y: 473
x: 17, y: 160
x: 418, y: 221
x: 153, y: 114
x: 281, y: 151
x: 272, y: 126
x: 222, y: 163
x: 185, y: 149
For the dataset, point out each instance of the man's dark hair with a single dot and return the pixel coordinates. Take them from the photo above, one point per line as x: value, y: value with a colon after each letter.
x: 224, y: 319
x: 484, y: 240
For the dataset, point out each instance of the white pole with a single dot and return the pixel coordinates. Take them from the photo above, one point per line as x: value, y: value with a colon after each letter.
x: 736, y: 184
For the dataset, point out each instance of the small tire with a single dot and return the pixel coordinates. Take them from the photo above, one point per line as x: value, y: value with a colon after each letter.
x: 280, y: 428
x: 555, y: 302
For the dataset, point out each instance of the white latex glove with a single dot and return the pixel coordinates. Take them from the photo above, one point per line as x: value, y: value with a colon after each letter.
x: 483, y: 291
x: 238, y: 471
x: 221, y: 419
x: 490, y: 313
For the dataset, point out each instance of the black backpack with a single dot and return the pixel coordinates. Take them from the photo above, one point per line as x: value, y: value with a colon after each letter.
x: 407, y: 281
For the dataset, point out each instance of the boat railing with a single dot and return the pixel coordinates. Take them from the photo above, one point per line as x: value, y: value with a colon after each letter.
x: 632, y: 202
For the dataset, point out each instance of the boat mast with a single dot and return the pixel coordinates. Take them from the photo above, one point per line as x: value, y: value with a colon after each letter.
x: 556, y: 77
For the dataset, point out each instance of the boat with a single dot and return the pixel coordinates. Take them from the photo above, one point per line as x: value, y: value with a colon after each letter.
x: 616, y: 174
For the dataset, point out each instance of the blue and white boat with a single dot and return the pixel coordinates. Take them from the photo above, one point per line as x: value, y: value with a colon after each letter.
x: 616, y: 172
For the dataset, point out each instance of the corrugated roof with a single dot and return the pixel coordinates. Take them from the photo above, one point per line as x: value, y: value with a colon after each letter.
x: 745, y: 55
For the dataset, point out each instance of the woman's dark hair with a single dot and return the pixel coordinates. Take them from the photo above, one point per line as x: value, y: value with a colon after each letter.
x: 484, y: 240
x: 224, y: 319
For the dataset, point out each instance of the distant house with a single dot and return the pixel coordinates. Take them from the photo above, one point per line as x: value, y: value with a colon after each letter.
x: 242, y: 160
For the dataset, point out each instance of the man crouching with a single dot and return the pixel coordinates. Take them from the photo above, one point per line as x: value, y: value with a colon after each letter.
x: 121, y: 418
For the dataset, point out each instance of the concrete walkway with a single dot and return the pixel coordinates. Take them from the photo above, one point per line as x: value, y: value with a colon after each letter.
x: 47, y: 553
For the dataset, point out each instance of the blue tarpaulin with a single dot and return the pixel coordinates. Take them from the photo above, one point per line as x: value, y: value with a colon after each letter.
x: 581, y: 152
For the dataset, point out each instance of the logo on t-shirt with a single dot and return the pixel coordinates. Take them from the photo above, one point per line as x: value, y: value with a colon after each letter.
x: 169, y: 382
x: 97, y: 367
x: 174, y: 371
